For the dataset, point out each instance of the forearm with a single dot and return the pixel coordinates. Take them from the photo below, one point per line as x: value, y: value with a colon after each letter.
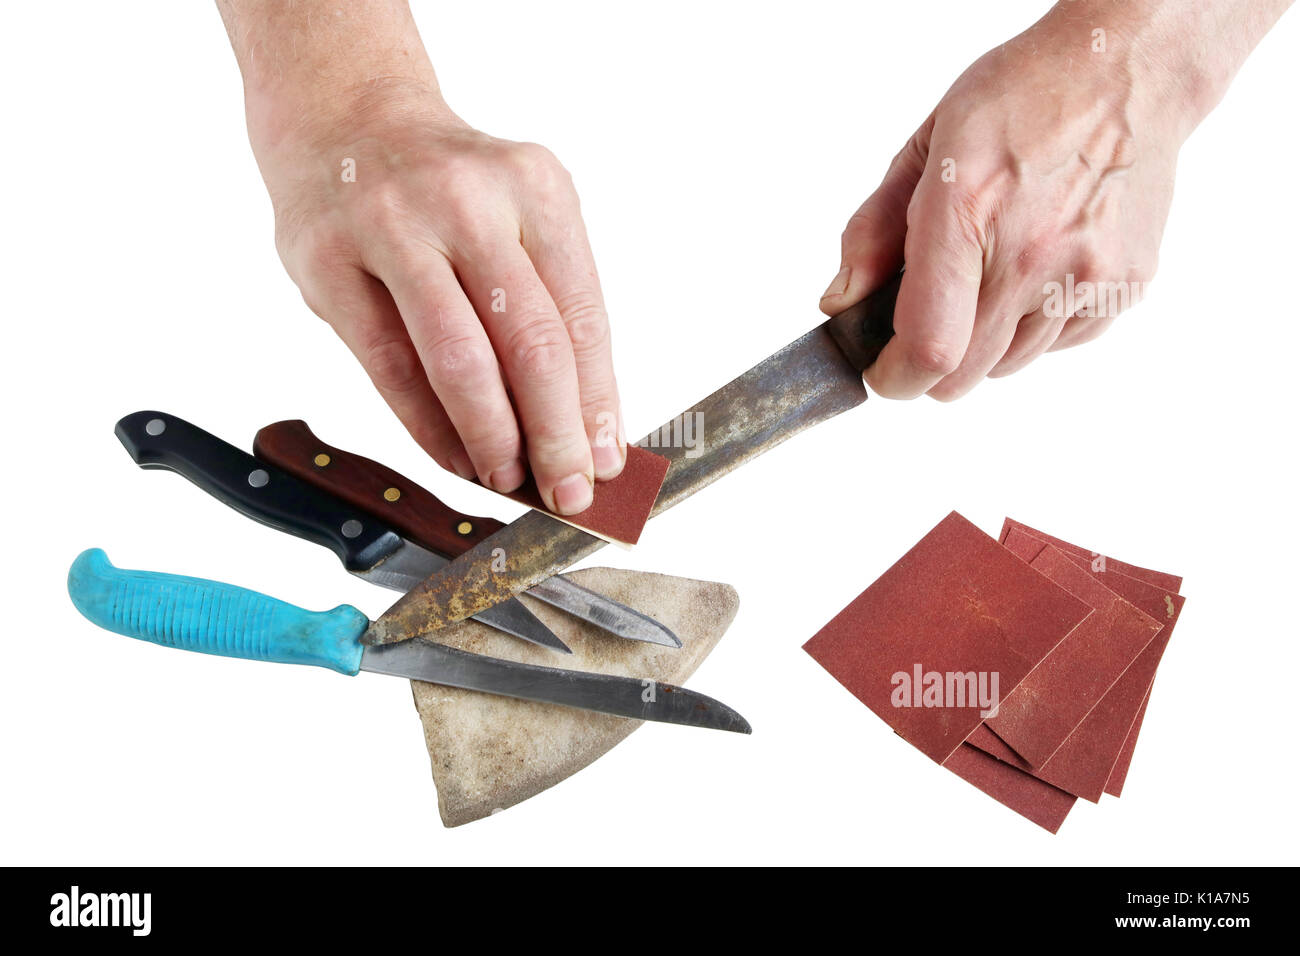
x: 1189, y: 50
x: 307, y: 58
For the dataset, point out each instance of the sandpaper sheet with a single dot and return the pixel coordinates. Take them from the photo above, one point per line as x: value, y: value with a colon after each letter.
x: 1165, y: 599
x: 1036, y: 718
x: 619, y: 507
x: 958, y: 603
x: 1104, y: 563
x: 1098, y: 751
x: 1028, y: 796
x: 1115, y: 783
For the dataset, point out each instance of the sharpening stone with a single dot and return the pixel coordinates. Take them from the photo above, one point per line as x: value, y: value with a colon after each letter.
x: 1031, y: 798
x: 1037, y: 717
x: 958, y: 603
x: 489, y: 753
x: 619, y: 507
x: 1095, y: 753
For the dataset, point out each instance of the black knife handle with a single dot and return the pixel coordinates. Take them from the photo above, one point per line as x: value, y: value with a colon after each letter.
x: 862, y: 330
x: 258, y: 490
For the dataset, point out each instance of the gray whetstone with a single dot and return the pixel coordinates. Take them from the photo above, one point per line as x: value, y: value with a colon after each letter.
x: 489, y: 753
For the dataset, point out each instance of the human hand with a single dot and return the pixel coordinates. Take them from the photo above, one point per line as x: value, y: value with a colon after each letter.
x: 1028, y: 208
x: 456, y: 268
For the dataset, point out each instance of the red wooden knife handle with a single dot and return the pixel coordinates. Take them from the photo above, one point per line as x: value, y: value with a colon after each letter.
x: 406, y: 507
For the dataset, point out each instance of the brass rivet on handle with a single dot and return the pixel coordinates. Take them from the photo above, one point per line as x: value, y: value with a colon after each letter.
x: 321, y: 460
x: 392, y: 494
x: 464, y: 528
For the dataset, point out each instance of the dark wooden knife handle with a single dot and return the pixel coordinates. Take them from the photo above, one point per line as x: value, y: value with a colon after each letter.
x: 862, y: 330
x: 400, y: 503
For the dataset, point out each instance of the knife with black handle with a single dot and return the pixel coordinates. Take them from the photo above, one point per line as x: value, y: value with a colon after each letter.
x: 423, y: 518
x: 210, y: 617
x: 367, y: 547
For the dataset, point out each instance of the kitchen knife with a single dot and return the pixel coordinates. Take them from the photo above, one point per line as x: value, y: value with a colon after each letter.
x: 263, y: 492
x: 812, y: 379
x: 421, y: 517
x: 215, y: 618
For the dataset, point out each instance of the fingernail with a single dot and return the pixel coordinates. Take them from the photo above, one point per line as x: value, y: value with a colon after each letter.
x: 840, y: 284
x: 461, y: 464
x: 608, y: 461
x: 507, y: 477
x: 572, y: 495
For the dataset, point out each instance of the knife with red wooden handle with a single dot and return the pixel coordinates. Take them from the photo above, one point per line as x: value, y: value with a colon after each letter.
x: 418, y: 515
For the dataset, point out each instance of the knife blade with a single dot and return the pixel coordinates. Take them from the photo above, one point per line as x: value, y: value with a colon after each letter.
x: 422, y: 518
x: 814, y: 378
x: 367, y: 548
x: 211, y: 617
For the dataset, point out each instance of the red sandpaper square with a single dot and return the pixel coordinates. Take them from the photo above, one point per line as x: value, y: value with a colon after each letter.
x: 1115, y: 784
x: 957, y: 604
x: 1028, y: 796
x: 1096, y: 752
x: 1036, y: 718
x: 1097, y: 561
x: 1154, y: 592
x: 619, y: 507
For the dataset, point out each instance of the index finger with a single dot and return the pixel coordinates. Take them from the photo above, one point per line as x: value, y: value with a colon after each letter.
x: 935, y: 311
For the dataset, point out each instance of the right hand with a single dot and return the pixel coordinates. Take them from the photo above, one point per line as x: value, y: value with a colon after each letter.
x: 456, y: 268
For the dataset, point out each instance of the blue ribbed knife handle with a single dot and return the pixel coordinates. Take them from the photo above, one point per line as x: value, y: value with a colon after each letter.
x: 213, y: 618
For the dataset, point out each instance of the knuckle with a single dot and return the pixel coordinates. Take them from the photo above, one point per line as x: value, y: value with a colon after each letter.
x: 914, y: 154
x: 586, y: 321
x: 934, y: 356
x: 538, y: 167
x: 314, y: 248
x: 385, y: 211
x: 970, y: 212
x: 539, y: 351
x: 315, y: 301
x: 1037, y: 255
x: 458, y: 359
x: 392, y: 366
x: 557, y: 452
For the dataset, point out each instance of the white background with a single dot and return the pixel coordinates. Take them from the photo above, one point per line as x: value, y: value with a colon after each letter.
x: 719, y: 149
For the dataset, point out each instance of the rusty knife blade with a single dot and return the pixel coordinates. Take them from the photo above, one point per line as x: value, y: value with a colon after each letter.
x: 807, y: 382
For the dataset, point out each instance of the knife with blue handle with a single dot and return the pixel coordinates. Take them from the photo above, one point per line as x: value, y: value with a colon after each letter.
x: 214, y: 618
x: 366, y: 546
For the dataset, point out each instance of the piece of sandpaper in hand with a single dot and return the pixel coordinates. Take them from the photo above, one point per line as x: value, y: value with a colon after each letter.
x: 1092, y: 753
x: 1036, y: 718
x: 619, y: 507
x: 1159, y: 598
x: 957, y: 603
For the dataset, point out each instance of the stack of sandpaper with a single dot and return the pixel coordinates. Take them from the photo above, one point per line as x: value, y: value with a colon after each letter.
x: 1023, y: 665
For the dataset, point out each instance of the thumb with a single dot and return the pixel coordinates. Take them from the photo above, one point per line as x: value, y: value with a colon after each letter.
x: 871, y: 248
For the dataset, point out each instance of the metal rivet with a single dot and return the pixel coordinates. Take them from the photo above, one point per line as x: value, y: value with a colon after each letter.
x: 392, y: 494
x: 464, y: 528
x: 258, y: 478
x: 351, y: 528
x: 321, y: 460
x: 155, y: 427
